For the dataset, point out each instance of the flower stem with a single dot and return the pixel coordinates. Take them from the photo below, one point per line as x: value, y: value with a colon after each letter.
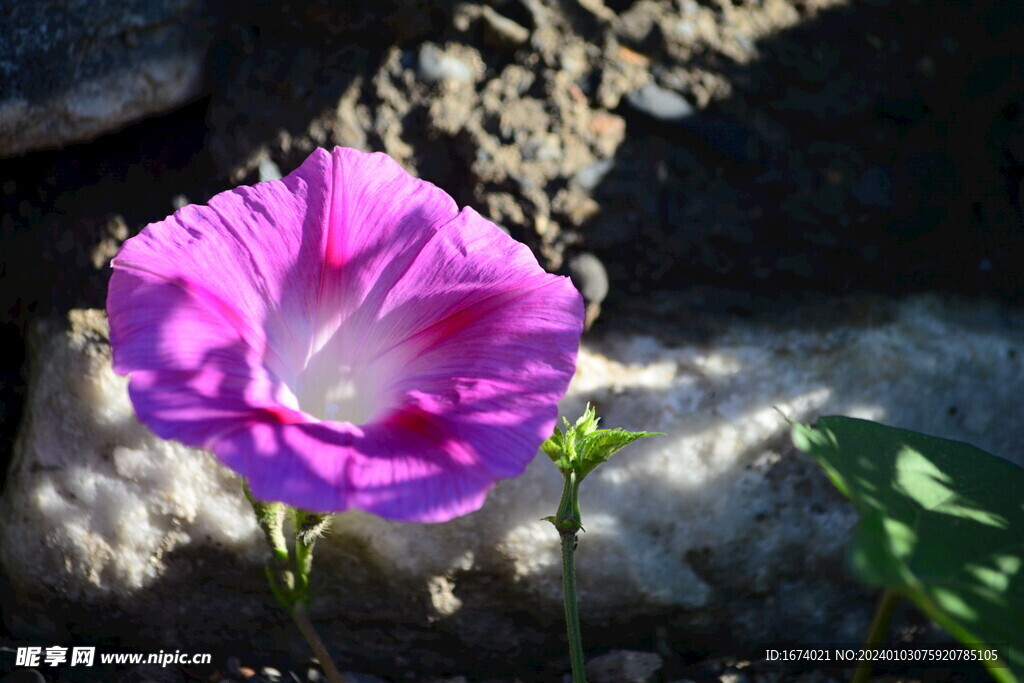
x: 290, y: 566
x: 567, y: 521
x: 572, y: 612
x: 301, y: 616
x: 876, y: 631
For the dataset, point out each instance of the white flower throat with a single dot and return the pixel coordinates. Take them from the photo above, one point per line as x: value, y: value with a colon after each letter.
x: 340, y: 393
x: 339, y: 383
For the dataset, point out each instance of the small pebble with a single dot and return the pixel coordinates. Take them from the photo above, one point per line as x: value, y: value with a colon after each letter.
x: 590, y: 176
x: 590, y: 277
x: 435, y: 65
x: 268, y: 170
x: 542, y: 148
x: 685, y: 29
x: 271, y: 674
x: 660, y: 103
x: 733, y: 677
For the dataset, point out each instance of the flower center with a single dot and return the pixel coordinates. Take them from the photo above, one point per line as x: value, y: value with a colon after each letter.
x: 338, y: 401
x: 331, y: 389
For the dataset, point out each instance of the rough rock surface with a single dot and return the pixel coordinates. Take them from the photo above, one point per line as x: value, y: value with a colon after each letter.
x: 718, y: 528
x: 72, y: 71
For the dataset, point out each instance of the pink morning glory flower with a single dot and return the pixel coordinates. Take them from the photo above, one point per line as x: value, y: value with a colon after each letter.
x: 345, y: 338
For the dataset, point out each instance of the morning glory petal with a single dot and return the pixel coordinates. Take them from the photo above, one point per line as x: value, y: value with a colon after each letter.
x: 346, y: 338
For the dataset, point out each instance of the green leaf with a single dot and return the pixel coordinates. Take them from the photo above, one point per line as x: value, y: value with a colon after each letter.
x: 942, y: 523
x: 597, y: 447
x: 582, y: 447
x: 555, y: 447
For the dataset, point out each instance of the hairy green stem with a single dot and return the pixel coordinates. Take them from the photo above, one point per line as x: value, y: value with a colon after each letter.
x: 291, y: 562
x: 270, y: 517
x: 308, y: 527
x: 879, y: 624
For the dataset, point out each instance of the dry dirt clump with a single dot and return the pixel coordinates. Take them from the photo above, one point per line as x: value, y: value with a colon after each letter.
x: 513, y: 103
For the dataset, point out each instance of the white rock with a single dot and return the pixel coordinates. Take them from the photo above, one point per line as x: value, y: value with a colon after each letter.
x: 718, y: 525
x: 437, y: 64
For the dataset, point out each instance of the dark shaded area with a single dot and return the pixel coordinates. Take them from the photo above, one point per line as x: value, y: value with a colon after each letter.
x: 64, y: 214
x: 876, y: 147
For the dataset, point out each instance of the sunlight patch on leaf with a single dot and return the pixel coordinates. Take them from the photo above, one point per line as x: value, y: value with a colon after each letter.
x: 941, y: 524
